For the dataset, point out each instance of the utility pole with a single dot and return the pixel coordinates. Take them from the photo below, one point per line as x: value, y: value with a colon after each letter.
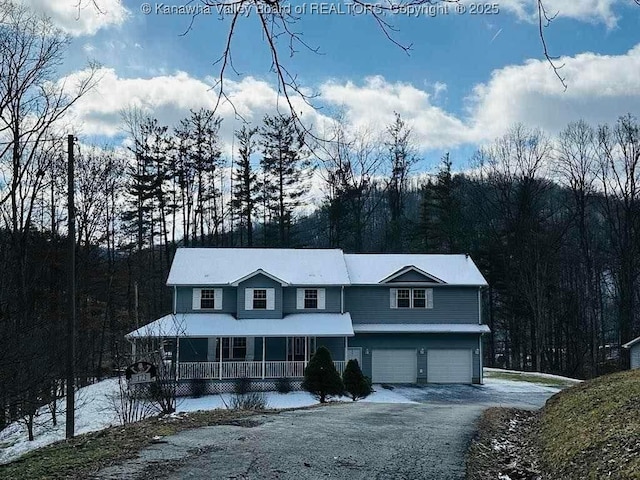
x: 71, y: 318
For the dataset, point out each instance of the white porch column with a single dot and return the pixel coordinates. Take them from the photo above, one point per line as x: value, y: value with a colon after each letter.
x: 177, y: 359
x: 220, y: 357
x: 306, y: 351
x: 264, y: 356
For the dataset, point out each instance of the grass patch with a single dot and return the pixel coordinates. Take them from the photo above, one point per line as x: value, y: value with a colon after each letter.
x: 591, y: 430
x: 551, y: 382
x: 88, y: 453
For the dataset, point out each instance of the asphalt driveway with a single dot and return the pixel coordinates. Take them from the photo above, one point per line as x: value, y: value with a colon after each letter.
x: 426, y: 440
x: 494, y: 393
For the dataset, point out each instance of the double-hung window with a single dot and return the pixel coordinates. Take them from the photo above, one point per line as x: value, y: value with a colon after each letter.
x: 259, y: 299
x: 311, y: 298
x: 404, y: 298
x: 419, y: 298
x: 412, y: 298
x: 207, y: 299
x: 234, y: 348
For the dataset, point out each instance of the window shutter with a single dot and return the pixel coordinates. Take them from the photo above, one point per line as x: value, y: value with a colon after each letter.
x: 300, y: 299
x: 429, y: 295
x: 271, y: 299
x: 248, y: 298
x: 393, y: 298
x: 217, y: 296
x: 196, y: 298
x: 321, y: 298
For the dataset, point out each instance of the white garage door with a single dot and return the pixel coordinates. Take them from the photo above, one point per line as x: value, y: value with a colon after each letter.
x: 449, y: 366
x: 394, y: 366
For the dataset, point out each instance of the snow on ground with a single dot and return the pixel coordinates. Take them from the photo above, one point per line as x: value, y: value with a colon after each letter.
x: 532, y: 374
x: 498, y: 385
x: 280, y: 400
x: 93, y: 412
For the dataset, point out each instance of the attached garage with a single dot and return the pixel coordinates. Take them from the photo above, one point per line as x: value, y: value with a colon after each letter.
x: 394, y: 366
x: 449, y: 366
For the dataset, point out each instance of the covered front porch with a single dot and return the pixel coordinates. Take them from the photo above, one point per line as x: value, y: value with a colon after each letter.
x: 254, y: 370
x: 220, y: 347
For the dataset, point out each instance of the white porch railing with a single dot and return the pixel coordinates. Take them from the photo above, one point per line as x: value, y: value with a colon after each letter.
x: 230, y: 370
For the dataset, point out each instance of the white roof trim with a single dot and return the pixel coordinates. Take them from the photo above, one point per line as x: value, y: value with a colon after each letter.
x: 225, y: 325
x: 420, y: 328
x: 258, y: 272
x: 631, y: 343
x: 409, y: 268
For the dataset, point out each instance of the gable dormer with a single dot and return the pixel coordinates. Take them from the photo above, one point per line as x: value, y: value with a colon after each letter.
x: 259, y: 295
x: 412, y: 274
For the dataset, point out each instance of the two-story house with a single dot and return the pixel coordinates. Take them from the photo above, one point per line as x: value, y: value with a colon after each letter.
x: 261, y: 313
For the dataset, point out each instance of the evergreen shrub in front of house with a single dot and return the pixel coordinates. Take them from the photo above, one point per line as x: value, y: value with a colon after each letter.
x: 321, y: 378
x: 242, y: 385
x: 283, y: 385
x: 355, y: 383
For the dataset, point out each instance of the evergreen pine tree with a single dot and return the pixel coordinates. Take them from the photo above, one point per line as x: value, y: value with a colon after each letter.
x: 355, y: 383
x: 321, y: 378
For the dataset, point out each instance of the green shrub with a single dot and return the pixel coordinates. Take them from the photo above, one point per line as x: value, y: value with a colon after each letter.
x: 321, y: 378
x: 355, y: 383
x: 283, y: 385
x: 242, y: 385
x: 197, y: 387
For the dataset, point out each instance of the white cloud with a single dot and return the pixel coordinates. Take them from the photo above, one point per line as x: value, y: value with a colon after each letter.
x: 600, y: 88
x: 81, y: 17
x: 372, y: 105
x: 596, y: 11
x: 170, y: 97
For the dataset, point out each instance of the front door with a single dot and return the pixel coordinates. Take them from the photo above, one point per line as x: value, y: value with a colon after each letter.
x: 296, y: 349
x: 355, y: 353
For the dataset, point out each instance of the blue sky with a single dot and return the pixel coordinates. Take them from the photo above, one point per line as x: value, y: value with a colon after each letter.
x: 465, y: 81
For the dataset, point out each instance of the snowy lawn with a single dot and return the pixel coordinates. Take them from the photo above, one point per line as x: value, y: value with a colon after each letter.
x: 531, y: 377
x: 94, y: 412
x: 499, y: 385
x: 281, y: 400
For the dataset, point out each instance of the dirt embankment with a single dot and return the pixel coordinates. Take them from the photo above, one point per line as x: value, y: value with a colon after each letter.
x: 589, y: 431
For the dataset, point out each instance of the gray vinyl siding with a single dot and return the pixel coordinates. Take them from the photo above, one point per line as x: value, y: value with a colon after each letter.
x: 335, y: 345
x: 417, y: 342
x: 411, y: 276
x: 259, y: 281
x: 450, y: 305
x: 184, y: 300
x: 332, y: 300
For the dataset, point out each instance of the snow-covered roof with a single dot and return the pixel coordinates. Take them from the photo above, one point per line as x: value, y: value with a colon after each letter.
x: 419, y: 328
x: 631, y: 343
x: 368, y: 269
x: 225, y: 325
x: 224, y: 266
